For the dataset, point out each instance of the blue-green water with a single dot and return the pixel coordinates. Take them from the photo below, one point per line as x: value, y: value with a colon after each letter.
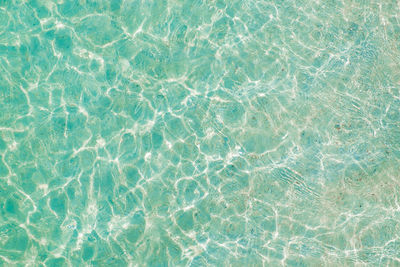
x: 199, y: 133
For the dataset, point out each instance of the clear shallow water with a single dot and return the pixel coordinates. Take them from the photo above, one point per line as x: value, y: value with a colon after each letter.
x: 199, y: 133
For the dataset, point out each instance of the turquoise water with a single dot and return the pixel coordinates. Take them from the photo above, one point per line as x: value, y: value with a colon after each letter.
x: 199, y: 133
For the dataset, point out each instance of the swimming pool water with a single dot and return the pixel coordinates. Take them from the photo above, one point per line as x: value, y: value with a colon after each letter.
x: 199, y: 133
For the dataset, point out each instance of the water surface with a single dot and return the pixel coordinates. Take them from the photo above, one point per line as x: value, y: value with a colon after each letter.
x: 199, y: 133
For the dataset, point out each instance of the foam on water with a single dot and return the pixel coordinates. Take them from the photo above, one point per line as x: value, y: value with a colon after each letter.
x: 199, y: 133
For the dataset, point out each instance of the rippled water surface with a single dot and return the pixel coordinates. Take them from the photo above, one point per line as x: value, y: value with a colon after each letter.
x: 199, y: 133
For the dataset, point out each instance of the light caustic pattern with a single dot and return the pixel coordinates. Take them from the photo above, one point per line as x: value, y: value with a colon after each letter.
x: 199, y: 133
